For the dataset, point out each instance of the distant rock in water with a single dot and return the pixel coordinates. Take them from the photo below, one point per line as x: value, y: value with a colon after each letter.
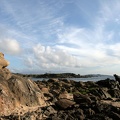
x: 16, y: 91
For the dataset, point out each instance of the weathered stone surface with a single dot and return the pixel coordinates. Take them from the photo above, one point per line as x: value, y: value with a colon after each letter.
x: 66, y: 95
x: 102, y: 93
x: 64, y: 103
x: 115, y: 116
x: 5, y: 74
x: 79, y: 98
x: 114, y: 93
x: 18, y: 91
x: 110, y: 84
x: 3, y: 63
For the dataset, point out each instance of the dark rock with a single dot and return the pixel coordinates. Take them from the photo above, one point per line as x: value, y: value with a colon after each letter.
x: 110, y: 84
x: 53, y: 80
x: 80, y: 98
x: 49, y: 110
x: 114, y: 93
x: 89, y: 111
x: 101, y: 93
x: 117, y: 78
x: 115, y: 116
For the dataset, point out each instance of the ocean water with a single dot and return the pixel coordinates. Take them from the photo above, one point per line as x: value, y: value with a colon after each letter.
x: 100, y: 77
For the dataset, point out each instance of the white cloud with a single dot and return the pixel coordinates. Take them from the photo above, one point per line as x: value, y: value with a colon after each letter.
x: 46, y: 57
x: 10, y: 46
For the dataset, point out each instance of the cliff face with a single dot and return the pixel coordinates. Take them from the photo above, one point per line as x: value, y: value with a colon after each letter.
x: 16, y: 91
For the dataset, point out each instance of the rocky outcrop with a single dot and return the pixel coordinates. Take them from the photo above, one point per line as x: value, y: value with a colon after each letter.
x: 57, y: 99
x: 16, y: 92
x: 3, y: 63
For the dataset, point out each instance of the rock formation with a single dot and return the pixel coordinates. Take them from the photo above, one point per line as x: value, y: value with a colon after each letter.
x: 3, y: 63
x: 16, y: 92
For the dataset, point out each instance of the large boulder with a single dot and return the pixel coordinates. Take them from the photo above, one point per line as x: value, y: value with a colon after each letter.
x: 19, y: 92
x: 64, y: 103
x: 80, y: 98
x: 16, y: 91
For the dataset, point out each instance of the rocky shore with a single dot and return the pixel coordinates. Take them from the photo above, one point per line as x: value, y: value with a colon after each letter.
x: 57, y: 99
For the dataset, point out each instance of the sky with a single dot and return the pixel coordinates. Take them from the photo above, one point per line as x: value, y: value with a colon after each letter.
x: 57, y: 36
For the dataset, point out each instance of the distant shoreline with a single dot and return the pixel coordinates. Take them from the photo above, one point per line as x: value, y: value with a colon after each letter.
x: 57, y: 75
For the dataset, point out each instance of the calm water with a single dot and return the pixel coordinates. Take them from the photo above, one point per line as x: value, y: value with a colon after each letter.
x: 101, y: 77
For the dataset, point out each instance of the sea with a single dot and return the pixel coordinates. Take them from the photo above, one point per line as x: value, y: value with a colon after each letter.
x: 95, y: 78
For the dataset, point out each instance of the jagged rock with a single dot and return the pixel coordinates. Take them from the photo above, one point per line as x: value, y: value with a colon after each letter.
x: 114, y: 93
x: 90, y: 111
x: 64, y: 103
x: 115, y: 116
x: 5, y: 74
x: 80, y: 98
x: 49, y: 110
x: 117, y: 78
x: 110, y: 84
x: 70, y: 115
x: 102, y: 93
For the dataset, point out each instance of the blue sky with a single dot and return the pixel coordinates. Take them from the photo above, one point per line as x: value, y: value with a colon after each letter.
x: 80, y: 36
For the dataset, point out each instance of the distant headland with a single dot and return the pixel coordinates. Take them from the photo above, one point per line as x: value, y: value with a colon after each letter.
x: 57, y: 75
